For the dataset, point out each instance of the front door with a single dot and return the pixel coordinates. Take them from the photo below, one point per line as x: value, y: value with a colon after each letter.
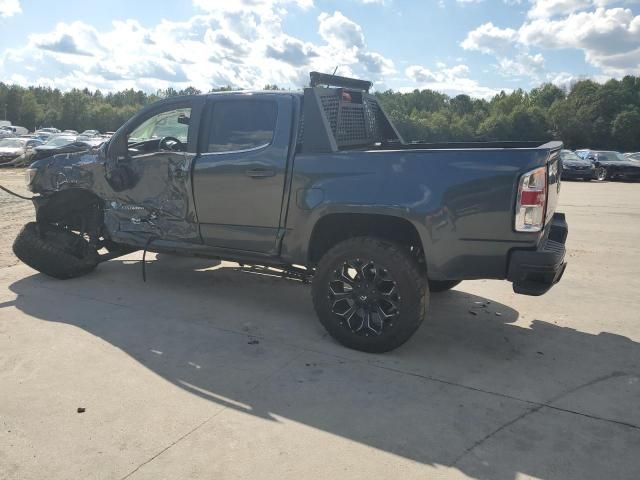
x: 239, y: 178
x: 151, y: 175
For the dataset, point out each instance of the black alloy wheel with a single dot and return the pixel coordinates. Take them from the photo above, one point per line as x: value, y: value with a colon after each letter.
x: 364, y: 296
x: 370, y: 294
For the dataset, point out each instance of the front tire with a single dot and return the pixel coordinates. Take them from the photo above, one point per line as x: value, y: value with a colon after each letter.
x: 370, y: 294
x: 601, y: 174
x: 55, y: 251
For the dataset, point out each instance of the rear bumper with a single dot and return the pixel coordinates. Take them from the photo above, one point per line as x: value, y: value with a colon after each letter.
x: 534, y: 272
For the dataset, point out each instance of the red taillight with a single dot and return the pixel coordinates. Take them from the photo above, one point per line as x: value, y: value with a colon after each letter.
x: 532, y: 199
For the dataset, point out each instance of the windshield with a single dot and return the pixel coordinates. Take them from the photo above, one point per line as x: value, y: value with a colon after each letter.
x: 60, y: 141
x: 567, y: 155
x: 12, y: 143
x: 166, y: 124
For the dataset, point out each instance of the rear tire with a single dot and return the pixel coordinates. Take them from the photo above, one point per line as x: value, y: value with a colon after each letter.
x: 370, y: 294
x: 55, y: 251
x: 436, y: 286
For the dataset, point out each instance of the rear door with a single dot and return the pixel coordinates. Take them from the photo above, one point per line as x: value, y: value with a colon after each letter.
x: 239, y: 178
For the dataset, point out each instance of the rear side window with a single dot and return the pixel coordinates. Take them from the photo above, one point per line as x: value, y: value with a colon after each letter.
x: 242, y: 125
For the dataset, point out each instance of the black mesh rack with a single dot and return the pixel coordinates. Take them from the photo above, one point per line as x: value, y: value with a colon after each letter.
x: 337, y: 116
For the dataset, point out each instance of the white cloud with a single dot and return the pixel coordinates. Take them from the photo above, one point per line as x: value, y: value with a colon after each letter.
x: 522, y: 65
x: 551, y: 8
x: 451, y: 80
x: 488, y: 38
x: 248, y: 5
x: 241, y: 44
x: 506, y: 2
x: 338, y: 30
x: 608, y: 37
x: 9, y: 8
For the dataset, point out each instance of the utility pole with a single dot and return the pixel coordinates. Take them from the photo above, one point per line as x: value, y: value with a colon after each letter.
x: 5, y: 111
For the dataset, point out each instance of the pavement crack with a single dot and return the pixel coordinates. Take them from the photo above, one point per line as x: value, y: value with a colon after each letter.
x: 493, y: 433
x: 548, y: 404
x: 203, y: 423
x: 172, y: 444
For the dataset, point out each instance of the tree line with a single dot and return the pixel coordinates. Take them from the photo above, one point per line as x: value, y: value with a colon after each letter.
x: 587, y: 114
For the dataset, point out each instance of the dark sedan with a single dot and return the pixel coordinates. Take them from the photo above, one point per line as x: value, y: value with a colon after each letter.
x: 575, y: 167
x: 612, y: 165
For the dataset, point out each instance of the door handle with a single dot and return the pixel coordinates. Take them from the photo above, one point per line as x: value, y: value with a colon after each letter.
x: 261, y: 173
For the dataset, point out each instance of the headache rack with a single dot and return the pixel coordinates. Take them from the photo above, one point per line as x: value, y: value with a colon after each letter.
x: 340, y: 113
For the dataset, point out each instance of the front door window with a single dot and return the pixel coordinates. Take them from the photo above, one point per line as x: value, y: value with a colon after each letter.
x: 164, y: 131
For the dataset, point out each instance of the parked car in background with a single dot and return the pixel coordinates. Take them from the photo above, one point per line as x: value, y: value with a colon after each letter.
x: 11, y: 148
x: 91, y: 141
x: 575, y: 167
x: 46, y: 133
x: 632, y: 156
x: 70, y: 132
x: 49, y: 130
x: 56, y: 144
x: 610, y: 165
x: 12, y: 131
x: 91, y: 133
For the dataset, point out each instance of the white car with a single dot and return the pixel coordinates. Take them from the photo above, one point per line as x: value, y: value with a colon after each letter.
x: 11, y: 148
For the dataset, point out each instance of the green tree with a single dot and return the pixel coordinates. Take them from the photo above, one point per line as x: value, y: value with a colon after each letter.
x: 626, y: 130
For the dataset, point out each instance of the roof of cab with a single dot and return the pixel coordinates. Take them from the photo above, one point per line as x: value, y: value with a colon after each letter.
x: 256, y: 92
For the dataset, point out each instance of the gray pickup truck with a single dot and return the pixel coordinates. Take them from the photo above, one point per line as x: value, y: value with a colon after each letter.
x: 317, y: 184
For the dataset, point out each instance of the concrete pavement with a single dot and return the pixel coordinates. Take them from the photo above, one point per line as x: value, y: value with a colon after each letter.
x: 207, y: 371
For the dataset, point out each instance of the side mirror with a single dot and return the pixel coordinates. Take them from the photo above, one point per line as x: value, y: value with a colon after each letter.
x: 117, y: 149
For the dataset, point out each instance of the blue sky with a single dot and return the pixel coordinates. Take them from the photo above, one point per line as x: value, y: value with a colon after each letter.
x: 476, y: 47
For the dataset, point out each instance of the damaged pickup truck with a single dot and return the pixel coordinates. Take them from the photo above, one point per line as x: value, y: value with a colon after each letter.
x: 318, y: 184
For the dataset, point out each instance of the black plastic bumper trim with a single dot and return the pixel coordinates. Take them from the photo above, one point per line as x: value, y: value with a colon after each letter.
x: 534, y: 272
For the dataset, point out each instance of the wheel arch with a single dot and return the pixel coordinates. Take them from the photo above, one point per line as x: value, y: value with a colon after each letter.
x: 333, y: 228
x: 67, y: 206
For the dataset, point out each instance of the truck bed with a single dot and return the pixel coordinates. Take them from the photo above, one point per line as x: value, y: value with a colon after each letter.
x: 459, y: 196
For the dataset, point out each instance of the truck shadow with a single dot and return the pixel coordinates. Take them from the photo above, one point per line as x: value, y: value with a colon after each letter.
x: 251, y: 342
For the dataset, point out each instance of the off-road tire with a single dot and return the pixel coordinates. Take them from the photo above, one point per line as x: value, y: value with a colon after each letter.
x: 396, y: 262
x: 55, y: 251
x: 437, y: 286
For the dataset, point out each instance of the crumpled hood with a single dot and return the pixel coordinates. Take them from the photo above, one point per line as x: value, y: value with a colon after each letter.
x: 70, y: 169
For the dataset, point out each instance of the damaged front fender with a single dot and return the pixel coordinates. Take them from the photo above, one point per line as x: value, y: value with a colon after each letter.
x: 148, y: 196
